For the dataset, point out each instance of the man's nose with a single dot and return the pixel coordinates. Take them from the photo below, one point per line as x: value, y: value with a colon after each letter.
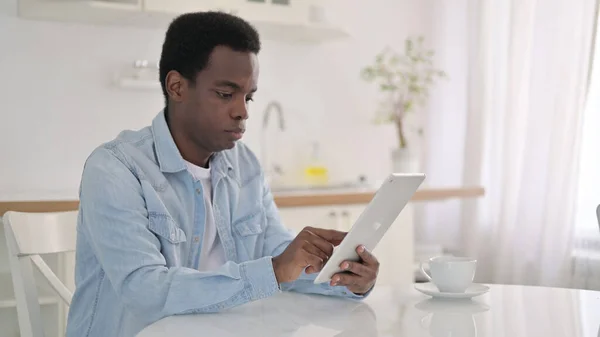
x: 240, y: 111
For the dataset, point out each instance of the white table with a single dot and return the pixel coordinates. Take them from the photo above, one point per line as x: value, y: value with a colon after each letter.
x: 504, y: 311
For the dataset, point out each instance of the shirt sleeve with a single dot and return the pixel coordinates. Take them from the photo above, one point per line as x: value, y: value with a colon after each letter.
x: 114, y: 223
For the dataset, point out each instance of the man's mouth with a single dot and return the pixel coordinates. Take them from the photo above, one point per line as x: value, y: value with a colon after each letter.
x: 237, y: 133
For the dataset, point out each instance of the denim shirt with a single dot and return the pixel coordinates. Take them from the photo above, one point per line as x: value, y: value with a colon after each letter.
x: 139, y: 236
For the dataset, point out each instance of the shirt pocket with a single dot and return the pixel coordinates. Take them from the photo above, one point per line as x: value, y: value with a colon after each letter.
x: 165, y: 227
x: 251, y: 224
x: 249, y: 215
x: 249, y: 235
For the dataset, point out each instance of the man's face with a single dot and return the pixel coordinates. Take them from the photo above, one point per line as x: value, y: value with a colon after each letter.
x: 214, y: 111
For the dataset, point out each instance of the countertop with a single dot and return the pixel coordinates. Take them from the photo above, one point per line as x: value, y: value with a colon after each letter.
x: 505, y: 311
x: 363, y: 196
x: 300, y: 198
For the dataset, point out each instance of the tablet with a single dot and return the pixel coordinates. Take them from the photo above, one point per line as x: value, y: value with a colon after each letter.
x: 374, y: 221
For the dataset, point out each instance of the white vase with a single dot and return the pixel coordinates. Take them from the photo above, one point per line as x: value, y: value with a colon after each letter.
x: 405, y: 161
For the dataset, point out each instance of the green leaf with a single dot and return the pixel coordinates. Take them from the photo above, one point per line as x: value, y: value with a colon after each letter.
x: 408, y: 45
x: 387, y: 87
x: 368, y: 74
x: 415, y: 89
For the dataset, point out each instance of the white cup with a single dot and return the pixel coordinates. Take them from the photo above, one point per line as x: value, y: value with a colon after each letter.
x: 451, y: 274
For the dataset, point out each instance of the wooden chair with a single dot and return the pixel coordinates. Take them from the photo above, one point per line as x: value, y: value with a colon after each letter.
x: 29, y: 235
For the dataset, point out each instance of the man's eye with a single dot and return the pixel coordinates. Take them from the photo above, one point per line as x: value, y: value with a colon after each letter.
x: 249, y: 98
x: 224, y: 95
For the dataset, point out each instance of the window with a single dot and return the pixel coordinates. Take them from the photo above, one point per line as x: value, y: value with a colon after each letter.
x: 589, y: 165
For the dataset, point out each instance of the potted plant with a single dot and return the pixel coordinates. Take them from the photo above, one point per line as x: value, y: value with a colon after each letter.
x: 404, y: 81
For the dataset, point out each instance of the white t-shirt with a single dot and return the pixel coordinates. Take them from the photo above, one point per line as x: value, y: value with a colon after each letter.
x: 212, y: 255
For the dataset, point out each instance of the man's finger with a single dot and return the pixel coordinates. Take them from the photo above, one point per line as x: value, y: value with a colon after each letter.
x: 346, y: 279
x: 330, y: 235
x: 314, y: 261
x: 322, y: 244
x: 314, y: 250
x: 358, y: 269
x: 366, y: 256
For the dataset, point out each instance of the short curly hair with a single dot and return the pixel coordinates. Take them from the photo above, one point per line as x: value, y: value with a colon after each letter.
x: 191, y: 38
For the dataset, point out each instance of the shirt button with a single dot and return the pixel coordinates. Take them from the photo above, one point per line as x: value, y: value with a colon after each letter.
x: 172, y: 236
x: 198, y: 191
x: 196, y: 239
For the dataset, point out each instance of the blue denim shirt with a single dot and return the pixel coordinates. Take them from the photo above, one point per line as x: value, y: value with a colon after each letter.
x: 140, y: 227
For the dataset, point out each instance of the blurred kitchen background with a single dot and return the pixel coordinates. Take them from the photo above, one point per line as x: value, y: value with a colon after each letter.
x: 506, y: 130
x: 63, y: 89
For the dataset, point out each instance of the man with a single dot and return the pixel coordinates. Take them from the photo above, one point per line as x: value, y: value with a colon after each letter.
x: 175, y: 218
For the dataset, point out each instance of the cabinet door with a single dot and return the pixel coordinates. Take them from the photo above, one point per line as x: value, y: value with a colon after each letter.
x: 296, y: 218
x: 183, y: 6
x: 349, y: 214
x: 281, y: 11
x: 397, y: 251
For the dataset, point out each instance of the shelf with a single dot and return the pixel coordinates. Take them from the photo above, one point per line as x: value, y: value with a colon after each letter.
x: 159, y: 14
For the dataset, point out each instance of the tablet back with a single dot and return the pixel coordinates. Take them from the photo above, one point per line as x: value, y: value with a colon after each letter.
x: 375, y: 220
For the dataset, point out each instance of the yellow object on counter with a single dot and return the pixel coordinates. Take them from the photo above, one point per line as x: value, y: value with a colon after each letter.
x: 316, y: 174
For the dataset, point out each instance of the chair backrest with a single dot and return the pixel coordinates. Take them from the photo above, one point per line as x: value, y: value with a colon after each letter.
x: 28, y: 235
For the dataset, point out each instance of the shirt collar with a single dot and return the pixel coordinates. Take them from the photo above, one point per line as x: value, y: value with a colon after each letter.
x: 168, y: 156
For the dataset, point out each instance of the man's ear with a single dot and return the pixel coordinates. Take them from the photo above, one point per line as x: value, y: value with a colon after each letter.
x: 176, y: 86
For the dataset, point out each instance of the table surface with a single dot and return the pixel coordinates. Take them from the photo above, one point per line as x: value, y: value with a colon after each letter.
x: 506, y: 310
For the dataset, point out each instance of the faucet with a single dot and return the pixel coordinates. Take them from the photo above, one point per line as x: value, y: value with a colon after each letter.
x: 267, y: 113
x: 273, y: 105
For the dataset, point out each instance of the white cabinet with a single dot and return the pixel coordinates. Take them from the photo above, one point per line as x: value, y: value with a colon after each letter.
x: 280, y: 20
x: 180, y: 6
x: 395, y: 252
x: 330, y: 217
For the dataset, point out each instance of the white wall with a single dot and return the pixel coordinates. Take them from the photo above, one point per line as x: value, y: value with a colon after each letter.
x: 58, y: 102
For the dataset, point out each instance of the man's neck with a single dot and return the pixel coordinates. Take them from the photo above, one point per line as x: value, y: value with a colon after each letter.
x: 188, y: 150
x: 202, y: 162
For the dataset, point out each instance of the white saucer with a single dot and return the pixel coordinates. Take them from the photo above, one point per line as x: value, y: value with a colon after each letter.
x: 431, y: 290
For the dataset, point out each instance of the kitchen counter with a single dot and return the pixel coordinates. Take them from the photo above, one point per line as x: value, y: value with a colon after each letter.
x: 357, y: 196
x: 301, y: 198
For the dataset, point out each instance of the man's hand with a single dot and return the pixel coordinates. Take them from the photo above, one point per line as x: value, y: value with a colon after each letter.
x: 359, y: 277
x: 310, y: 250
